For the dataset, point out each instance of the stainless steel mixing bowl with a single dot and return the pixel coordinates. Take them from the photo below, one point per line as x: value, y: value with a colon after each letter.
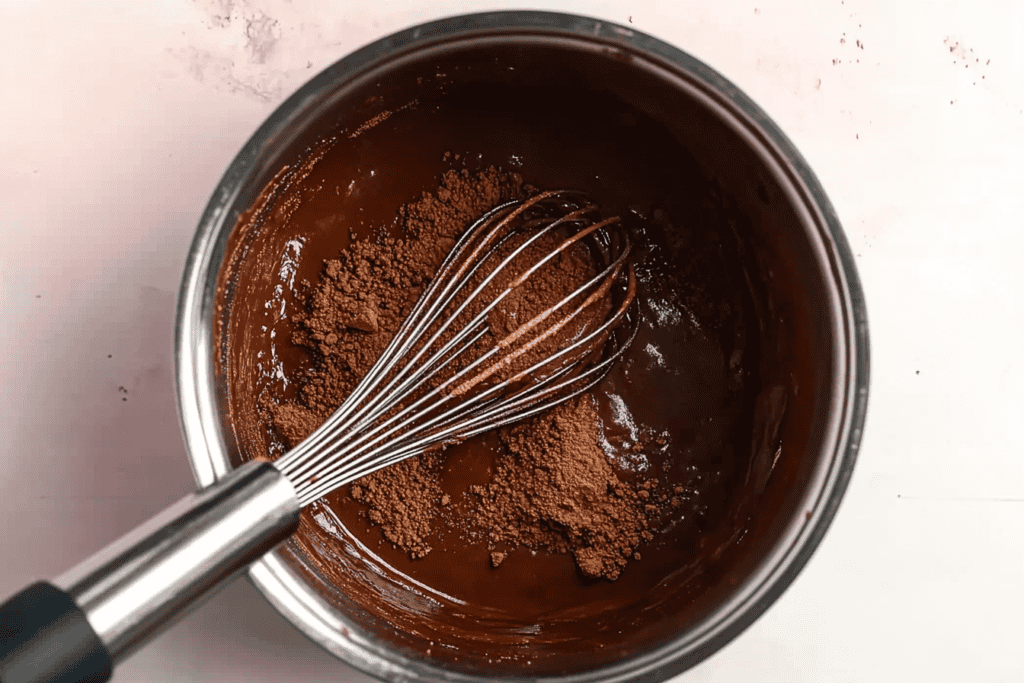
x: 820, y: 257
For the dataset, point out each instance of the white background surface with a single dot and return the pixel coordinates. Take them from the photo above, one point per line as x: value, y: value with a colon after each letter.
x: 118, y: 118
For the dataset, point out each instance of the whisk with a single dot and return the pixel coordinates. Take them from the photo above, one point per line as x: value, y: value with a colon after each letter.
x: 445, y: 376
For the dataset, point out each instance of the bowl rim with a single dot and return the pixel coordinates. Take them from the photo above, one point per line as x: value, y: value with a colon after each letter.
x: 194, y: 335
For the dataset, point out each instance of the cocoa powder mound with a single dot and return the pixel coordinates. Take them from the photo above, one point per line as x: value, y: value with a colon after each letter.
x: 364, y: 295
x: 553, y: 487
x: 351, y: 314
x: 557, y: 491
x: 403, y: 500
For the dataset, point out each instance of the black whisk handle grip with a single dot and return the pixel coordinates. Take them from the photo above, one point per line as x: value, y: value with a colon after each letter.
x: 46, y: 637
x: 75, y: 629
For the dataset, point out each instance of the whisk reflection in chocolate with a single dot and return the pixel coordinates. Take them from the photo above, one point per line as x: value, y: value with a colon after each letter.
x: 447, y: 375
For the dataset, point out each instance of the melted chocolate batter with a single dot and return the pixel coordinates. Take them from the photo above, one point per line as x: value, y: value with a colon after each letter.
x: 705, y: 380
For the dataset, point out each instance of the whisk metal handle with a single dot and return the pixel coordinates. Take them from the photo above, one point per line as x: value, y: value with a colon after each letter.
x: 135, y: 586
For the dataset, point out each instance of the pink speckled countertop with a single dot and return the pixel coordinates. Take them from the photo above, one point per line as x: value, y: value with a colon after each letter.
x: 118, y: 118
